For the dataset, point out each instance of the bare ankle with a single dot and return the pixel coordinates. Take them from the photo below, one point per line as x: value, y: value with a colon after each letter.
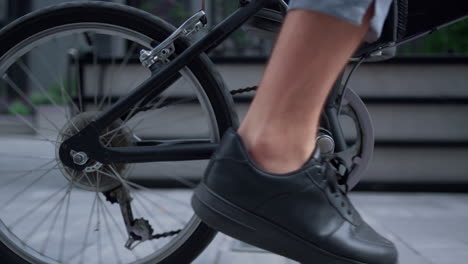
x: 271, y: 154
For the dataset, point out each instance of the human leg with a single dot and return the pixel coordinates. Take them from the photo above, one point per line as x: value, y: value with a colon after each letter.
x: 299, y: 212
x: 280, y: 127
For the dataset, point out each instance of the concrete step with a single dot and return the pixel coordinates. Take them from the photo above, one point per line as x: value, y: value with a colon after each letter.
x: 11, y: 125
x: 381, y: 80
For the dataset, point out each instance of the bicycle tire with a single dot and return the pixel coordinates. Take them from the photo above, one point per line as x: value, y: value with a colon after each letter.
x: 150, y: 26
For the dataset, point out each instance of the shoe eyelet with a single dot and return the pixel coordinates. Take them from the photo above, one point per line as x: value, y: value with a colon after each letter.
x: 342, y: 204
x: 349, y: 212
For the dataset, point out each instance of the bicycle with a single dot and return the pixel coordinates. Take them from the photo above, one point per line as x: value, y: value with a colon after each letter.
x: 92, y: 153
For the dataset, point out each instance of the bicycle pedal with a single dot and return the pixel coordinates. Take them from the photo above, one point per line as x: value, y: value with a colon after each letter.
x: 161, y: 52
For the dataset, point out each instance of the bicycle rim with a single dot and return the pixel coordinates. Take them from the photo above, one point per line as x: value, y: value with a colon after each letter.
x: 17, y: 61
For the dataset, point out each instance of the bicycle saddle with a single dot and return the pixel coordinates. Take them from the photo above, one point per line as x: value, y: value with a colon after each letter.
x: 267, y: 23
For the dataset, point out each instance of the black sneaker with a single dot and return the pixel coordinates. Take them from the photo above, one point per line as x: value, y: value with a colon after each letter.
x: 302, y: 215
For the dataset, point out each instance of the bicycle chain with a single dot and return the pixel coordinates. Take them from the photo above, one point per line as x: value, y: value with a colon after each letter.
x: 243, y: 90
x: 233, y: 92
x: 166, y: 234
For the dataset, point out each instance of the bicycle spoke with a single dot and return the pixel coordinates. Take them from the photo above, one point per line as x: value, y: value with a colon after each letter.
x: 38, y: 84
x: 154, y: 220
x: 164, y: 109
x: 62, y: 132
x: 43, y: 90
x: 58, y: 204
x: 126, y: 185
x: 13, y: 171
x: 106, y: 212
x: 21, y: 156
x: 85, y: 240
x: 114, y: 247
x: 75, y: 55
x: 51, y: 228
x: 95, y: 59
x: 130, y: 115
x: 118, y: 177
x: 109, y: 88
x: 64, y: 225
x: 109, y: 98
x: 124, y: 122
x: 98, y: 229
x: 149, y: 213
x: 178, y: 178
x: 39, y: 205
x: 142, y: 188
x: 3, y: 185
x: 58, y: 80
x: 161, y: 208
x: 98, y: 218
x: 54, y: 222
x: 18, y: 194
x: 114, y: 222
x: 28, y: 123
x: 137, y: 211
x: 63, y: 90
x: 156, y: 105
x: 26, y: 99
x: 79, y: 252
x: 51, y: 141
x: 116, y: 129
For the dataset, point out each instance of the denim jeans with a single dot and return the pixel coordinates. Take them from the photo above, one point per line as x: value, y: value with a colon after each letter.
x: 350, y: 10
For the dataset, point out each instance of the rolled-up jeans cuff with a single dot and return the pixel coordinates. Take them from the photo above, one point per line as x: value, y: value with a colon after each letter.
x: 352, y: 11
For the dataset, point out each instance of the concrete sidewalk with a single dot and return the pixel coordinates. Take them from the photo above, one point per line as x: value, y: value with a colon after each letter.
x: 428, y: 228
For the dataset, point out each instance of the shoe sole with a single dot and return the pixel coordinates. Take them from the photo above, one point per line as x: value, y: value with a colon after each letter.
x: 222, y: 215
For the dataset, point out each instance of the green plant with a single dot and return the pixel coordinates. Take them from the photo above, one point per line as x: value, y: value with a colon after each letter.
x: 19, y: 108
x: 450, y: 40
x: 38, y: 98
x: 55, y: 92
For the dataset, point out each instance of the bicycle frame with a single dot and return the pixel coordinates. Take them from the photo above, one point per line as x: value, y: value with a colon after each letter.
x: 87, y: 140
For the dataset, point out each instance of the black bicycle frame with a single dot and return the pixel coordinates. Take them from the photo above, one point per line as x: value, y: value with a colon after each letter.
x: 87, y: 140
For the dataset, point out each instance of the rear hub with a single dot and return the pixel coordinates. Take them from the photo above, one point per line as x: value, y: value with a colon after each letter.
x: 96, y: 176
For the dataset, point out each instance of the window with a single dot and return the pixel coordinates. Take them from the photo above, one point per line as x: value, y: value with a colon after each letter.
x: 449, y: 41
x: 3, y: 12
x: 241, y: 43
x: 173, y: 11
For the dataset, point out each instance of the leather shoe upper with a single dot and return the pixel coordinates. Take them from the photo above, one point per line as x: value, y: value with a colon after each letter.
x: 307, y: 202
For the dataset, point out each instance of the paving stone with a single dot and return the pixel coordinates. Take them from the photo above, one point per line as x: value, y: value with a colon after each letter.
x: 428, y: 228
x: 232, y: 257
x: 447, y: 255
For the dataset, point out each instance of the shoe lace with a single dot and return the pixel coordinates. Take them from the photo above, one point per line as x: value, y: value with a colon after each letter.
x: 335, y: 174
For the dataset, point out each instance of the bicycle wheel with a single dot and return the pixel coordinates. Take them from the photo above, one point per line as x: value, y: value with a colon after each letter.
x: 60, y: 67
